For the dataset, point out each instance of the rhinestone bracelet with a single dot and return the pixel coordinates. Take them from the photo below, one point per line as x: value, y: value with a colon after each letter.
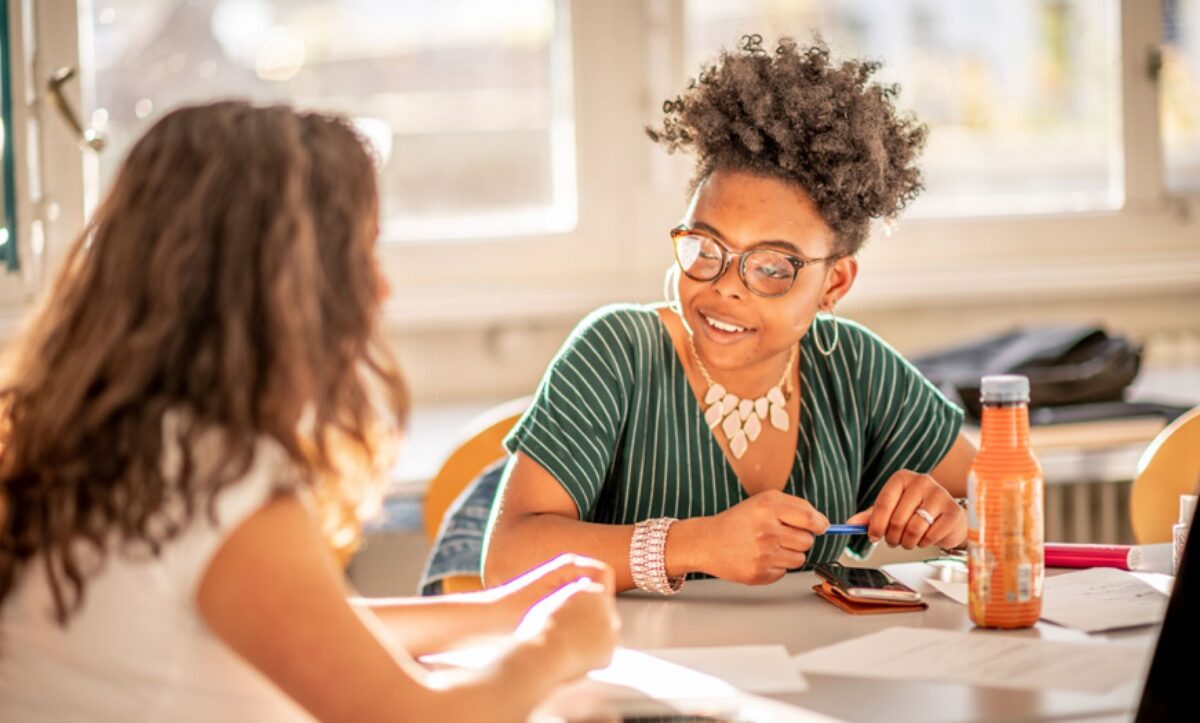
x: 648, y: 557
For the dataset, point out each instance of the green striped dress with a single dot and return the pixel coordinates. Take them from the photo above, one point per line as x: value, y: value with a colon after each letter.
x: 616, y: 423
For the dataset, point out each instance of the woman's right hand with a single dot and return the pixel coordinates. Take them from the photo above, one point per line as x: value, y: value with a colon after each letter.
x: 758, y: 540
x: 509, y: 602
x: 576, y: 624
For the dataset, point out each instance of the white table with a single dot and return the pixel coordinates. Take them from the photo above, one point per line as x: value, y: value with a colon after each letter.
x: 715, y: 612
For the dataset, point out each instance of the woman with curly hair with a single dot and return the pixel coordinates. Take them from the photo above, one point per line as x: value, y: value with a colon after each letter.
x: 721, y: 433
x: 190, y: 426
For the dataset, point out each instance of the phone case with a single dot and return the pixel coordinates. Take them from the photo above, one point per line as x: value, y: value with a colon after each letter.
x: 860, y: 606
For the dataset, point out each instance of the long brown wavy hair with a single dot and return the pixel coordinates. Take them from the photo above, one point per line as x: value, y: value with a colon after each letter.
x: 228, y: 280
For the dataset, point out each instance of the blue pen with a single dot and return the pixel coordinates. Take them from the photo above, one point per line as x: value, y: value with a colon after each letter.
x: 846, y: 530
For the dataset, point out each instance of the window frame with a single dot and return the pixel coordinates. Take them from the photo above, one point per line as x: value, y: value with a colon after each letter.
x: 49, y: 208
x: 10, y: 255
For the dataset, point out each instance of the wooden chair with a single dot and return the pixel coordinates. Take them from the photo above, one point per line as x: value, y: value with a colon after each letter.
x: 1169, y: 467
x: 481, y: 444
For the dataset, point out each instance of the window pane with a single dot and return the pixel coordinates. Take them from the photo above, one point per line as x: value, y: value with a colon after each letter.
x: 467, y: 101
x: 1179, y: 100
x: 1019, y: 94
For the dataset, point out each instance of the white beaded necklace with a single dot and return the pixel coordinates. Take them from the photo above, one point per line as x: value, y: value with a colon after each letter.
x: 740, y: 419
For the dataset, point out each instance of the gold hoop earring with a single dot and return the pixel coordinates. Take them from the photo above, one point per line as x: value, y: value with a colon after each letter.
x: 836, y: 337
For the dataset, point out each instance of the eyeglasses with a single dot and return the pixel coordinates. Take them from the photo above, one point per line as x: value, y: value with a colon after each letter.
x: 765, y: 272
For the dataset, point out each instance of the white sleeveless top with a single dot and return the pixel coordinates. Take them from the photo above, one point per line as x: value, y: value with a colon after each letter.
x: 138, y: 649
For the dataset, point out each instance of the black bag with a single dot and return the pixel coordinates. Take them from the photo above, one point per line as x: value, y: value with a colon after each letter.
x: 1065, y: 365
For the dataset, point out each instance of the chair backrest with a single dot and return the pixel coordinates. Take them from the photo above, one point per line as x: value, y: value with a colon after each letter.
x: 1170, y: 467
x: 481, y: 444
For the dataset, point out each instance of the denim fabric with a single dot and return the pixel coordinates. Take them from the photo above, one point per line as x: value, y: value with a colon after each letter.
x: 399, y: 513
x: 458, y: 547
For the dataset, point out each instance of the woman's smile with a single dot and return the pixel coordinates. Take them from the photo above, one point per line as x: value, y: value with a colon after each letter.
x: 723, y: 328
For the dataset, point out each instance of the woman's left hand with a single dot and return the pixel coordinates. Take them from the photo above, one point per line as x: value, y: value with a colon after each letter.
x: 894, y: 516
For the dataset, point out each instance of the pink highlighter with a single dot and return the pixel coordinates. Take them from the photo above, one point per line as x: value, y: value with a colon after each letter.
x: 1065, y: 554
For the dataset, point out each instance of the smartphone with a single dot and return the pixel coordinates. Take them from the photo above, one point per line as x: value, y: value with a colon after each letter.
x: 866, y: 583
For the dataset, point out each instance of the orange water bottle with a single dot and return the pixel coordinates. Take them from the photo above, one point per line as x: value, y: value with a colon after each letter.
x: 1005, y: 526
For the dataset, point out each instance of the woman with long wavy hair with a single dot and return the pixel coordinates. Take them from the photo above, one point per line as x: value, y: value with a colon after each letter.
x: 191, y: 425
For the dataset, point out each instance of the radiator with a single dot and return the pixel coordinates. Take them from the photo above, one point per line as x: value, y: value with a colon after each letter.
x: 1088, y: 512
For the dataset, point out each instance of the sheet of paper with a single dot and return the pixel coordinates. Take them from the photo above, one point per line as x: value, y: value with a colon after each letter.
x: 639, y: 686
x: 644, y: 675
x: 672, y: 673
x: 956, y: 591
x: 1101, y: 598
x: 637, y: 683
x: 1160, y: 581
x: 979, y: 658
x: 751, y: 668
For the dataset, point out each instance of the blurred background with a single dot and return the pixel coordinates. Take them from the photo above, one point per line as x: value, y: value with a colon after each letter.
x: 520, y: 191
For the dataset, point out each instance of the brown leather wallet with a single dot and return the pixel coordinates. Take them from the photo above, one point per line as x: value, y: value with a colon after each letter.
x: 861, y: 606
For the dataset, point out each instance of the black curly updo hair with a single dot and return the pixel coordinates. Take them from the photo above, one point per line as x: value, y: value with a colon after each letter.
x: 798, y: 116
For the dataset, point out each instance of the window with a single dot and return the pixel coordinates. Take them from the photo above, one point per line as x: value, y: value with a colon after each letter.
x: 1020, y: 95
x: 1179, y: 99
x: 1040, y: 112
x: 467, y: 102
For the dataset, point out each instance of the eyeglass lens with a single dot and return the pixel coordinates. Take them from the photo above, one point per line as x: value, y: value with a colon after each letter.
x: 764, y: 271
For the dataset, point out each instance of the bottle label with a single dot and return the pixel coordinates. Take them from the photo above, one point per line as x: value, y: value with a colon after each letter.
x: 981, y: 564
x: 972, y: 502
x: 1024, y: 582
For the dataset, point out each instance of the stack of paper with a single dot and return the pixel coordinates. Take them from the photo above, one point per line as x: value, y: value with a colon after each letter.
x: 978, y: 658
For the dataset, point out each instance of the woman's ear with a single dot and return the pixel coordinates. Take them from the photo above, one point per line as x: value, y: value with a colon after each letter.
x: 838, y: 281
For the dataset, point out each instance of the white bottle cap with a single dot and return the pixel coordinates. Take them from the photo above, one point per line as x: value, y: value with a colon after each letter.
x: 1187, y: 508
x: 1004, y: 388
